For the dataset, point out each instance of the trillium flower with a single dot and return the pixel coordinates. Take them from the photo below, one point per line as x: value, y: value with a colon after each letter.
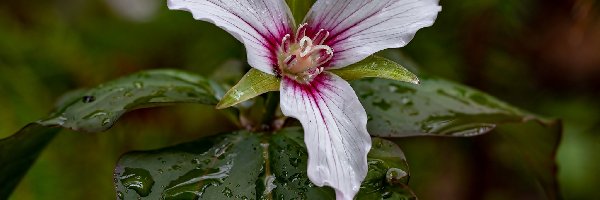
x: 334, y: 34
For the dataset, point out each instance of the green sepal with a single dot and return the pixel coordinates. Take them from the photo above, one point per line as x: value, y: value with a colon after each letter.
x: 377, y: 67
x: 254, y: 83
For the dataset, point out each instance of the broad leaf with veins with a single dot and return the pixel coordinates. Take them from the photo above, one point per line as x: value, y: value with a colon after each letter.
x: 434, y: 107
x: 247, y: 165
x: 97, y: 109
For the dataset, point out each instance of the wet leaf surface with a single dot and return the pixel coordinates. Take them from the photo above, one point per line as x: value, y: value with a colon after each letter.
x: 96, y: 110
x: 524, y: 143
x: 441, y: 108
x: 532, y: 148
x: 388, y: 173
x: 513, y: 161
x: 434, y: 107
x: 19, y: 152
x: 273, y: 166
x: 245, y: 165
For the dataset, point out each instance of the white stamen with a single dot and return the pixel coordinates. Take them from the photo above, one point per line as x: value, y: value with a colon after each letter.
x: 305, y: 46
x: 322, y: 59
x: 285, y: 43
x: 289, y: 59
x: 320, y: 69
x: 321, y: 36
x: 301, y: 32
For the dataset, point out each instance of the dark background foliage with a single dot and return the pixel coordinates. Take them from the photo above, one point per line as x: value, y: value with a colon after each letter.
x: 543, y: 56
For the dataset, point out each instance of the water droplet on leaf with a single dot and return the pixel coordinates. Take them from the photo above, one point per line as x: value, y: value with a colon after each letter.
x: 88, y: 99
x: 95, y: 114
x: 406, y: 101
x: 105, y: 121
x: 394, y: 176
x: 196, y: 181
x: 382, y: 104
x: 138, y: 84
x: 227, y: 192
x: 294, y: 161
x: 386, y: 195
x: 137, y: 179
x: 269, y: 185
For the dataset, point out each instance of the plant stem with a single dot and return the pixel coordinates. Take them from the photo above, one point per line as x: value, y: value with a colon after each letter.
x: 271, y: 105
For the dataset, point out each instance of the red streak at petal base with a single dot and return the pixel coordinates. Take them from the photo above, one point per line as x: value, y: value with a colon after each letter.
x: 311, y: 90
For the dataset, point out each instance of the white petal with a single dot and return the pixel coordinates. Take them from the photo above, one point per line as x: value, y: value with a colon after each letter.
x: 359, y: 28
x: 335, y: 131
x: 259, y: 24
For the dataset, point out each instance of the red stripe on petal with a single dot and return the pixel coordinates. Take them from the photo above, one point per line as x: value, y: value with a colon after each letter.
x: 335, y: 131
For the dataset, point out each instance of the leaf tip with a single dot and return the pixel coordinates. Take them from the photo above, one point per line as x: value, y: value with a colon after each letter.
x: 222, y: 105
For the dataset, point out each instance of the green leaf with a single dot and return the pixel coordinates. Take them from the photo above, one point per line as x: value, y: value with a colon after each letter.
x: 19, y: 152
x: 388, y: 173
x: 254, y: 83
x: 534, y: 144
x: 378, y: 67
x: 299, y: 8
x: 441, y: 108
x: 97, y: 109
x: 435, y: 107
x: 517, y: 159
x: 245, y: 165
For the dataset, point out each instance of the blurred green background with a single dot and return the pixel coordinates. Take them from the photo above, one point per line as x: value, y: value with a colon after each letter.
x: 540, y: 55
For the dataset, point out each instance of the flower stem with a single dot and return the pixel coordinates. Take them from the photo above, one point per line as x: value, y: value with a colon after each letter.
x: 271, y: 105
